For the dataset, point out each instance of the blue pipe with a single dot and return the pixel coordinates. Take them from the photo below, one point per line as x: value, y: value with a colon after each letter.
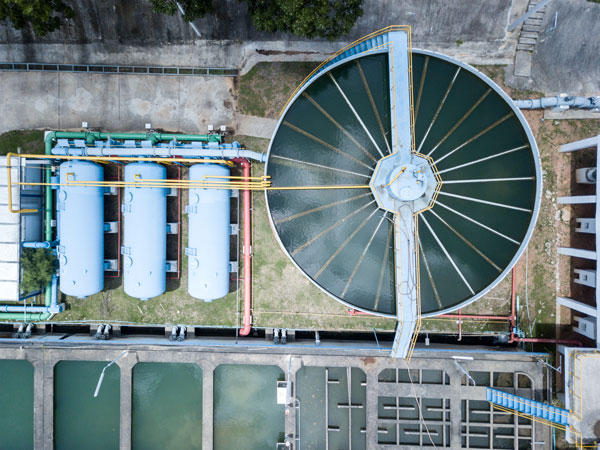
x: 54, y: 298
x: 42, y: 244
x: 21, y: 308
x: 52, y: 308
x: 33, y: 294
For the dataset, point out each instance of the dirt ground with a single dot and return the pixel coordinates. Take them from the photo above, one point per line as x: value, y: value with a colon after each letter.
x: 267, y: 86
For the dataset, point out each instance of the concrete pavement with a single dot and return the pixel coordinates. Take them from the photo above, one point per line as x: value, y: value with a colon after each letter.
x: 114, y: 102
x: 566, y: 57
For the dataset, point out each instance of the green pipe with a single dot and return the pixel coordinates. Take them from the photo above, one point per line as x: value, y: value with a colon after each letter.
x: 48, y: 211
x: 92, y: 136
x: 25, y: 317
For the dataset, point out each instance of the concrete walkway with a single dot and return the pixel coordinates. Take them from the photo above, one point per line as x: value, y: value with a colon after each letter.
x: 260, y: 127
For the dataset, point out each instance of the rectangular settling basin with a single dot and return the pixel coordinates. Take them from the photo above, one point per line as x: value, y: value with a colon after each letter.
x: 16, y: 398
x: 246, y: 413
x: 82, y: 421
x: 324, y: 394
x: 167, y: 406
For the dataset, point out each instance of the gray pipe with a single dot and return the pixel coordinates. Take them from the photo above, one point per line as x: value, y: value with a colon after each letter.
x: 28, y: 330
x: 174, y: 331
x: 560, y: 103
x: 181, y: 334
x: 166, y: 152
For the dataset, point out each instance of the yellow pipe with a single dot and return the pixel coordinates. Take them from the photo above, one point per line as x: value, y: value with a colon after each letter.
x: 118, y: 158
x: 396, y: 177
x: 150, y: 185
x: 148, y: 181
x: 257, y: 186
x: 10, y: 183
x: 86, y: 158
x: 242, y: 179
x: 262, y: 177
x: 387, y: 29
x: 301, y: 188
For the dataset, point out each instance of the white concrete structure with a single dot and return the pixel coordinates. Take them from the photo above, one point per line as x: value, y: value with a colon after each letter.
x: 586, y: 316
x: 9, y: 236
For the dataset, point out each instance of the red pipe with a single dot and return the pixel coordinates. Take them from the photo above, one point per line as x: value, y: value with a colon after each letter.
x: 471, y: 316
x: 356, y: 312
x: 247, y: 253
x: 513, y: 323
x: 545, y: 340
x: 513, y: 310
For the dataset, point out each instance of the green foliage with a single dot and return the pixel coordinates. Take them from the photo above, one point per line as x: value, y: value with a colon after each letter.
x: 308, y: 18
x: 194, y: 9
x: 40, y: 14
x: 38, y: 266
x: 29, y: 141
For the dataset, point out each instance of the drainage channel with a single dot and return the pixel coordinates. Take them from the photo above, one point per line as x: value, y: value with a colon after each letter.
x: 118, y: 69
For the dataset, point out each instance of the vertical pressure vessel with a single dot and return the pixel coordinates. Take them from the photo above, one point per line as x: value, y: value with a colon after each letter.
x: 144, y: 246
x: 208, y: 236
x: 80, y: 219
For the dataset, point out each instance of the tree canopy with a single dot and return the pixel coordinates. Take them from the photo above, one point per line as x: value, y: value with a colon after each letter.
x: 194, y: 9
x: 38, y: 266
x: 308, y: 18
x: 40, y: 14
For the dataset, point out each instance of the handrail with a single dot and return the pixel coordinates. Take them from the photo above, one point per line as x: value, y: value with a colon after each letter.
x: 10, y: 185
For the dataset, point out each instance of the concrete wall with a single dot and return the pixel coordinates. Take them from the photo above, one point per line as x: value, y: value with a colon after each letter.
x: 127, y: 32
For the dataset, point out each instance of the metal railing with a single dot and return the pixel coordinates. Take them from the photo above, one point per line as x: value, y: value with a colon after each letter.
x: 438, y: 179
x: 118, y: 69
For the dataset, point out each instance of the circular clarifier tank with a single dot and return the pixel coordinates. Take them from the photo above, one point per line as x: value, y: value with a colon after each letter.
x: 468, y: 132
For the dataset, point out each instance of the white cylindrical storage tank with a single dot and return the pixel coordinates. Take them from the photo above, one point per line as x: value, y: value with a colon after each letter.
x: 144, y: 247
x: 208, y: 236
x: 80, y: 219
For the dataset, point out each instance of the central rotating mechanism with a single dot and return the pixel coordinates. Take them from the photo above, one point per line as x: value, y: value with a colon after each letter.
x: 403, y: 179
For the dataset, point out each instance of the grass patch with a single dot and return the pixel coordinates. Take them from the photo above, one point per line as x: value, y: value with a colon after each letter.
x: 282, y: 296
x: 266, y: 87
x: 29, y: 141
